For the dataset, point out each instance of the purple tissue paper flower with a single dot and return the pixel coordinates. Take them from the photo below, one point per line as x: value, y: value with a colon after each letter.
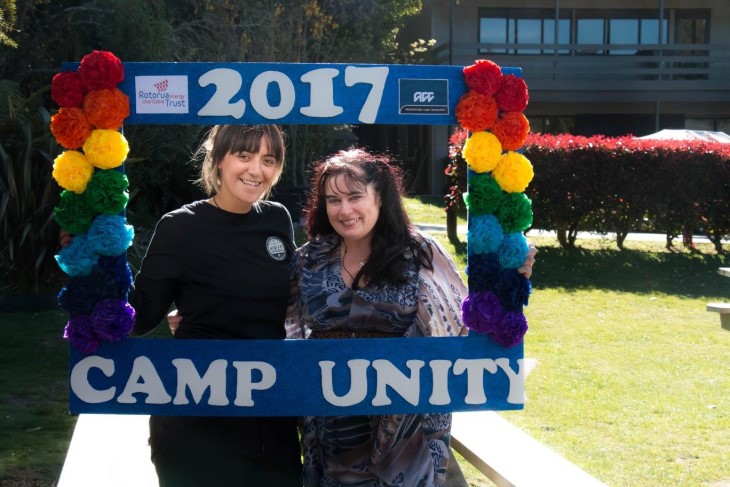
x: 79, y: 332
x: 482, y: 312
x: 510, y: 330
x: 113, y: 319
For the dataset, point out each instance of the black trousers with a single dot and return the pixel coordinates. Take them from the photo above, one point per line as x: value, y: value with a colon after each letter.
x: 225, y: 452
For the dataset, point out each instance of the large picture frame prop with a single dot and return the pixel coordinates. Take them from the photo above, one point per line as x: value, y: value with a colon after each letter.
x: 112, y: 373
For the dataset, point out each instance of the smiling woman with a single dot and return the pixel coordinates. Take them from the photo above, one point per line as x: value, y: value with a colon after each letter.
x: 202, y: 258
x: 383, y: 279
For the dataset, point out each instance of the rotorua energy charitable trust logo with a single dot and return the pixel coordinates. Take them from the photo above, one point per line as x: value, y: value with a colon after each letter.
x: 161, y: 94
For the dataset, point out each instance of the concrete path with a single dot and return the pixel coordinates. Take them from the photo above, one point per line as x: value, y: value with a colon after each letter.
x: 642, y: 237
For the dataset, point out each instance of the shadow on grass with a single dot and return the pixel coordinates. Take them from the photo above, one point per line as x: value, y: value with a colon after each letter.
x: 683, y: 274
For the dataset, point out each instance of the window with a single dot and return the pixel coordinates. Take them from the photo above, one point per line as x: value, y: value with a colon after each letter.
x: 563, y: 31
x: 590, y: 31
x: 598, y: 30
x: 514, y: 27
x: 691, y: 27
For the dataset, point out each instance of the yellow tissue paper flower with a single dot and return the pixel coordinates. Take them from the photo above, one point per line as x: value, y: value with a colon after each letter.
x: 482, y: 151
x: 106, y: 149
x: 513, y: 173
x: 72, y: 170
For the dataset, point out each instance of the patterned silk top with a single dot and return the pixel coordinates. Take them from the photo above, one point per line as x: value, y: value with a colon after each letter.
x: 393, y: 450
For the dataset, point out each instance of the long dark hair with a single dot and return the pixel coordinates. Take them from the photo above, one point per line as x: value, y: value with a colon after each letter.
x: 393, y: 234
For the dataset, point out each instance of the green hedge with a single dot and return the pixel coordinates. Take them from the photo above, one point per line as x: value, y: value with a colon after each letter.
x: 626, y: 185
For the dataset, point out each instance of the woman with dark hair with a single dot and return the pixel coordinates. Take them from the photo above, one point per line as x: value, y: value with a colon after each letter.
x: 368, y: 272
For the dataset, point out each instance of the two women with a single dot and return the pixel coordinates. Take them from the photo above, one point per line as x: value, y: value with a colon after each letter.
x: 366, y: 272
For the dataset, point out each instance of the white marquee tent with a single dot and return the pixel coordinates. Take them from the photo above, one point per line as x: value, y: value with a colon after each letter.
x: 682, y: 134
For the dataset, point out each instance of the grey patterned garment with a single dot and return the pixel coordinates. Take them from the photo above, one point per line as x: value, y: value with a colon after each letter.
x: 395, y: 450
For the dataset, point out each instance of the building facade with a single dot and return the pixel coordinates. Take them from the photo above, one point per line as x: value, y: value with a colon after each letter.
x: 612, y: 68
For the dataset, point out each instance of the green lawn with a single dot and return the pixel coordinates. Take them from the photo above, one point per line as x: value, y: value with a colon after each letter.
x: 632, y: 382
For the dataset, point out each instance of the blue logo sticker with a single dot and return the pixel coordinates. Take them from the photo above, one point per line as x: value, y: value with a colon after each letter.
x: 423, y: 96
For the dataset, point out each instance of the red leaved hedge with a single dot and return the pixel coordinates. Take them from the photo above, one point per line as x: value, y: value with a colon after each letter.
x: 625, y: 185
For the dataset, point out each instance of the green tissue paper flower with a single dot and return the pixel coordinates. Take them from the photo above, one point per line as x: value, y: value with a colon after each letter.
x: 484, y: 194
x: 515, y: 212
x: 107, y: 192
x: 73, y: 213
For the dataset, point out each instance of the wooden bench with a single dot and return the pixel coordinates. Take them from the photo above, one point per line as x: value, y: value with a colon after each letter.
x: 722, y: 308
x: 508, y: 456
x: 109, y: 450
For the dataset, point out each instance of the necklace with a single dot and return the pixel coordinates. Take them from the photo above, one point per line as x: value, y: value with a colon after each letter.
x: 215, y: 203
x: 361, y: 263
x: 348, y: 272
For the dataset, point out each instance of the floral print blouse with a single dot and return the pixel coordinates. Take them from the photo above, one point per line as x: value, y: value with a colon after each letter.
x: 394, y: 450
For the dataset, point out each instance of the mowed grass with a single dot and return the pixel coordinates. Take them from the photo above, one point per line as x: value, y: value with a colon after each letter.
x: 35, y: 427
x: 632, y: 383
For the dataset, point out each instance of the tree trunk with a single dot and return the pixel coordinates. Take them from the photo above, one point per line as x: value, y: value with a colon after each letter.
x: 451, y: 226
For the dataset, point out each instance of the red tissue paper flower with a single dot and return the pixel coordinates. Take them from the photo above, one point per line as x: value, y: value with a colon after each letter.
x: 512, y: 96
x: 70, y: 127
x: 101, y: 69
x: 67, y: 90
x: 476, y: 112
x: 511, y: 130
x: 483, y: 76
x: 107, y: 108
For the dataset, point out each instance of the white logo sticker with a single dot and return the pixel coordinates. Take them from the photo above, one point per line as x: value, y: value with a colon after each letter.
x: 161, y: 94
x: 276, y: 248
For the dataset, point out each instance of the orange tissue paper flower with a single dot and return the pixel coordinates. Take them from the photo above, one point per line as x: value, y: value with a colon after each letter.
x: 511, y: 129
x: 484, y: 76
x: 476, y: 112
x: 101, y: 69
x: 106, y: 149
x: 67, y: 89
x: 512, y: 95
x: 106, y: 108
x: 482, y: 152
x: 70, y: 127
x: 513, y: 173
x: 72, y: 171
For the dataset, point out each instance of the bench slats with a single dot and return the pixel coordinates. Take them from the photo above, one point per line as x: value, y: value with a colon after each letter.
x: 109, y: 450
x: 724, y: 310
x: 508, y: 456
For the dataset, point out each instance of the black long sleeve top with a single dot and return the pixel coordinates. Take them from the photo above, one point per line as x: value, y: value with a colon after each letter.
x: 227, y: 273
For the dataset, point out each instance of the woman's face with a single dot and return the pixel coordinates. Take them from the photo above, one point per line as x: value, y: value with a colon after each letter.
x: 352, y: 209
x: 246, y: 177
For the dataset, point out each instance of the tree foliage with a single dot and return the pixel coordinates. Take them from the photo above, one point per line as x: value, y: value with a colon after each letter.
x: 36, y: 36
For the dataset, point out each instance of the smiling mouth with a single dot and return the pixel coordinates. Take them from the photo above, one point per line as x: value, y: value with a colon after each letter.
x: 349, y: 223
x: 250, y: 183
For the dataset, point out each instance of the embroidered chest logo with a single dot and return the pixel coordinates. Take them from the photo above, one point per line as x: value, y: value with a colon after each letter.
x: 276, y: 248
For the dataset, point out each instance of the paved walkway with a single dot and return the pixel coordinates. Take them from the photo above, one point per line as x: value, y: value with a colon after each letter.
x: 643, y: 237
